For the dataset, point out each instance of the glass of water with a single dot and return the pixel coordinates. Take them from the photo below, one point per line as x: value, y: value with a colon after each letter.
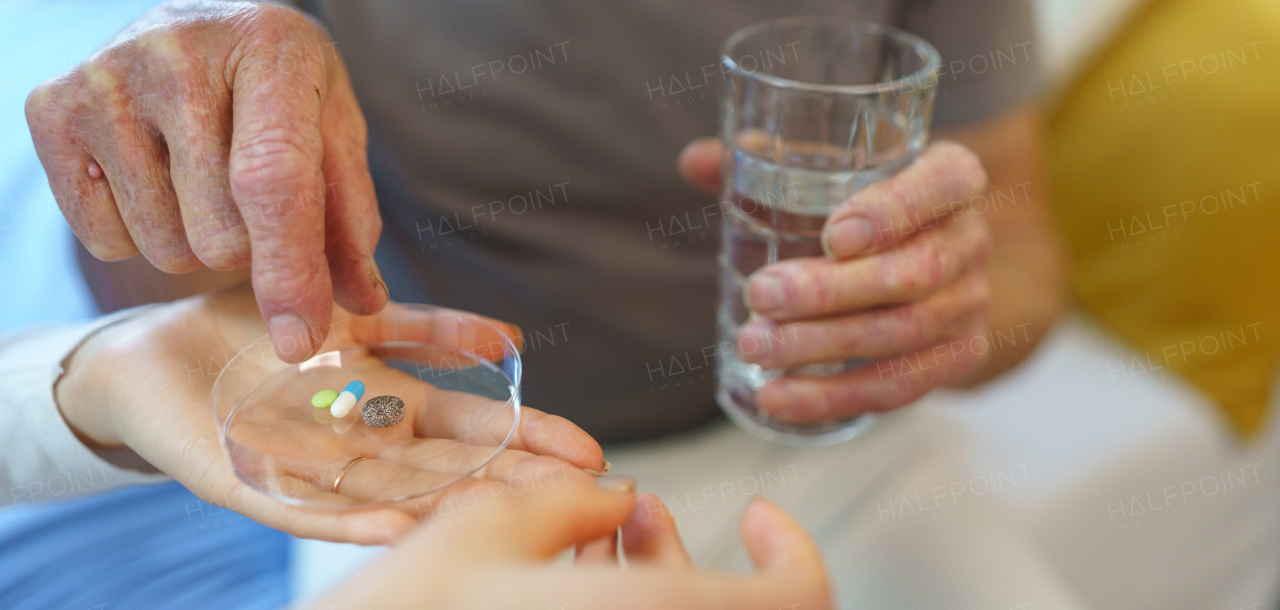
x: 815, y: 108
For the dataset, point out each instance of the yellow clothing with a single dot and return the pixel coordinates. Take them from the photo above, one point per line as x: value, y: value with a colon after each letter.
x: 1165, y: 169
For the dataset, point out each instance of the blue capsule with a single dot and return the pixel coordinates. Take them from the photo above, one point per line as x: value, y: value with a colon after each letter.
x: 347, y: 399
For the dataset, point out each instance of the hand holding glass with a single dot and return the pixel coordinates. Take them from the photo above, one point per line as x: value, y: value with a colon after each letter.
x: 815, y: 109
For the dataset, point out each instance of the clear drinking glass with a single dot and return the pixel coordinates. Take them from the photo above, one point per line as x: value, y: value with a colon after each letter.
x: 815, y: 108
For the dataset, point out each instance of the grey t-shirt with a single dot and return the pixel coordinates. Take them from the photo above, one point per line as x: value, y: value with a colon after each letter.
x: 525, y: 160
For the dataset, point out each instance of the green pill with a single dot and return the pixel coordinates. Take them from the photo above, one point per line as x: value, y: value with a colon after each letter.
x: 323, y: 399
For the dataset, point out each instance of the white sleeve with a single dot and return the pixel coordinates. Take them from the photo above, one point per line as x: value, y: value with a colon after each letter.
x: 40, y: 457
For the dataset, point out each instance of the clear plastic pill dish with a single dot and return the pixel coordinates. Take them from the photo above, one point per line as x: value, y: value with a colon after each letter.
x: 391, y: 411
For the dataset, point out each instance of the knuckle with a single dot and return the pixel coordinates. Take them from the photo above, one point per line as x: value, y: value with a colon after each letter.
x: 163, y: 43
x: 179, y: 74
x: 224, y: 250
x: 36, y: 102
x: 271, y: 157
x: 272, y: 23
x: 833, y: 399
x: 809, y: 289
x: 280, y: 15
x: 532, y: 423
x: 853, y: 340
x: 784, y: 344
x: 906, y: 324
x: 195, y: 114
x: 289, y: 279
x: 901, y: 194
x: 105, y: 77
x: 788, y: 394
x: 45, y: 106
x: 193, y: 104
x: 919, y: 272
x: 263, y: 13
x: 931, y: 264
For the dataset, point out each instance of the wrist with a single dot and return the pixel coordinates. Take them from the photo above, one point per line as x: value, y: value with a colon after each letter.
x: 84, y: 391
x: 78, y: 394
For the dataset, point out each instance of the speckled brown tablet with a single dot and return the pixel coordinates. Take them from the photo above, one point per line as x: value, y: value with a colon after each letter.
x: 383, y: 411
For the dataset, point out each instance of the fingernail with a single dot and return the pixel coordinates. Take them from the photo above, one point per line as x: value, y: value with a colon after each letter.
x: 619, y: 483
x: 377, y: 277
x: 754, y: 341
x: 757, y: 504
x: 697, y: 147
x: 291, y: 336
x: 649, y: 511
x: 778, y: 400
x: 516, y: 334
x: 601, y: 472
x: 765, y: 294
x: 848, y: 237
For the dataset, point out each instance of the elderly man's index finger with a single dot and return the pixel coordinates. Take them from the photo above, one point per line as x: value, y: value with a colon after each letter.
x: 276, y: 178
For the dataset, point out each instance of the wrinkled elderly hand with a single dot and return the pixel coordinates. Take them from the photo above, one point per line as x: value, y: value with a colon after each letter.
x: 903, y: 284
x: 215, y: 134
x: 496, y: 556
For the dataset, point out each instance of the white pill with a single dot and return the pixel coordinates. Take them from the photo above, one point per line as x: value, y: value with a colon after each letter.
x: 343, y: 404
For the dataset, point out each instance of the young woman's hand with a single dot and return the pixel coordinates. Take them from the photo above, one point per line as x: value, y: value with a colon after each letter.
x: 496, y: 556
x: 145, y: 383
